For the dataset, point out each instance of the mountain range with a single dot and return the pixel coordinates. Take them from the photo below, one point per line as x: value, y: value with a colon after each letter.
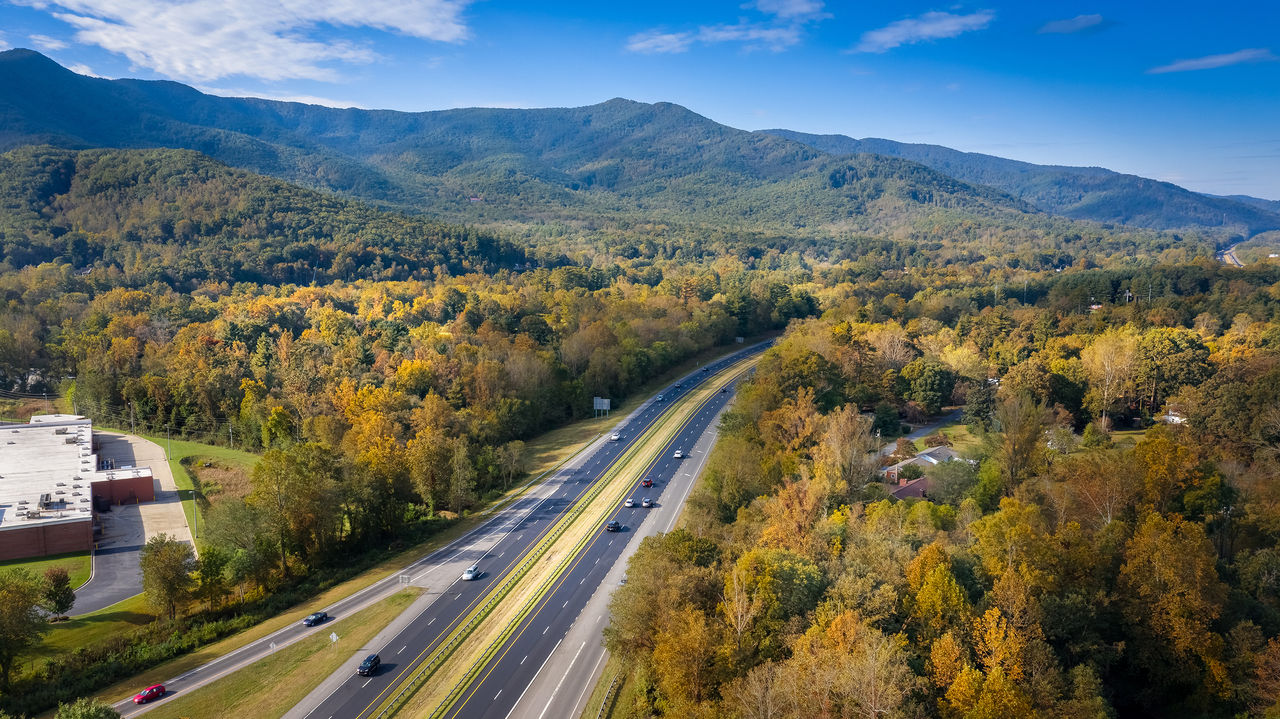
x: 615, y: 162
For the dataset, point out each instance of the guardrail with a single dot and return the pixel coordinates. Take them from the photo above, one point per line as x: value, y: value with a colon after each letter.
x: 604, y: 703
x: 462, y: 633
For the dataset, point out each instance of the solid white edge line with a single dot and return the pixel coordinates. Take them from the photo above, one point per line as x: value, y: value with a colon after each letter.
x: 535, y: 676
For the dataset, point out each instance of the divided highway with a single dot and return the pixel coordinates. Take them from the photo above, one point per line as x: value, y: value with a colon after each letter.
x: 347, y: 696
x: 497, y: 546
x: 503, y: 682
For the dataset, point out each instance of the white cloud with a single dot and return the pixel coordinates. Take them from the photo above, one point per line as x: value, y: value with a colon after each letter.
x: 654, y: 42
x: 83, y: 69
x: 4, y: 44
x: 782, y: 29
x: 789, y: 8
x: 1079, y: 23
x: 755, y: 35
x: 1210, y: 62
x: 203, y: 40
x: 929, y: 26
x: 44, y: 42
x: 286, y: 97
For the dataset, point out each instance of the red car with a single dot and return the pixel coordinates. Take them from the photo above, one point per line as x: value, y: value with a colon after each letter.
x: 646, y: 482
x: 146, y: 695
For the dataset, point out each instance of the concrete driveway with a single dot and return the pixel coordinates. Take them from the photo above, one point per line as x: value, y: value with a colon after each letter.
x: 117, y: 574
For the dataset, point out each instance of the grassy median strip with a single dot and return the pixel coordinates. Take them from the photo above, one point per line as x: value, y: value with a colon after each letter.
x: 579, y: 529
x: 268, y: 688
x: 408, y: 686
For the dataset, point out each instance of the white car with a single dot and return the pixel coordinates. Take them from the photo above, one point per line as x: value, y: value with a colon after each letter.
x: 615, y: 437
x: 629, y: 503
x: 679, y: 454
x: 471, y: 573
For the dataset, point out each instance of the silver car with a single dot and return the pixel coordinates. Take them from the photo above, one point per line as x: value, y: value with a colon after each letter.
x: 471, y: 573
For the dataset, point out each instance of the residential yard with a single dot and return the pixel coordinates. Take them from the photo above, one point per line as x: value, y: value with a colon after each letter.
x: 78, y: 566
x: 269, y: 688
x: 961, y: 438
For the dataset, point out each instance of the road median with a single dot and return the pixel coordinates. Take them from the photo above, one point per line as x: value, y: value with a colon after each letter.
x: 456, y: 657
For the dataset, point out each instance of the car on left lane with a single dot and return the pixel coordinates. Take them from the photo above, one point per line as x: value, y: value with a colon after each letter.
x: 151, y: 693
x: 315, y: 618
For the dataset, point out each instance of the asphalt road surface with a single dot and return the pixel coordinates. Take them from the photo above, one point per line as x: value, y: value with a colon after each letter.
x: 504, y: 682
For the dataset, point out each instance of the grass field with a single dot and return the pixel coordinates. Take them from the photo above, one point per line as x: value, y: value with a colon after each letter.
x: 87, y: 629
x: 78, y: 565
x: 269, y: 688
x: 960, y: 436
x: 179, y: 450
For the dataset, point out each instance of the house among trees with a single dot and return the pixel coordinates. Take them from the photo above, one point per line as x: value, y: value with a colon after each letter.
x: 912, y: 484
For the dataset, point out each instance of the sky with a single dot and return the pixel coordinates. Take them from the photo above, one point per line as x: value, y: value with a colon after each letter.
x: 1187, y: 92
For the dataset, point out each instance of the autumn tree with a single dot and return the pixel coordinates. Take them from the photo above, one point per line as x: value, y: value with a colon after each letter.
x: 1021, y: 422
x: 22, y: 623
x: 1109, y: 361
x: 682, y: 654
x: 1171, y: 590
x: 59, y: 597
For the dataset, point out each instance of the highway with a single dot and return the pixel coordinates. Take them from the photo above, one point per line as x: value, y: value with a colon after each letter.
x: 502, y: 543
x: 497, y: 545
x: 504, y: 683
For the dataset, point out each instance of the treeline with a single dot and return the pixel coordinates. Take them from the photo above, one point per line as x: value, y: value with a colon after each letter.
x: 1055, y: 571
x: 133, y: 217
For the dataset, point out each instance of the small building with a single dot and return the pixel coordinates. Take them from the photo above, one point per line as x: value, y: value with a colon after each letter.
x: 923, y: 459
x: 52, y: 484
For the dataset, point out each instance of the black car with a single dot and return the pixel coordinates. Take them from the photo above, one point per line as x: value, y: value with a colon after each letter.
x: 369, y: 666
x: 314, y: 619
x: 613, y: 525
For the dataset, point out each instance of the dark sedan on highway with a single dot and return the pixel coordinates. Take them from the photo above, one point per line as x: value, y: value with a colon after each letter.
x: 314, y: 619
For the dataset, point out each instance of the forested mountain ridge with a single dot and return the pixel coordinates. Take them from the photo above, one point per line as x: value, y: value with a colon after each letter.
x: 1085, y: 193
x: 182, y: 218
x: 616, y: 163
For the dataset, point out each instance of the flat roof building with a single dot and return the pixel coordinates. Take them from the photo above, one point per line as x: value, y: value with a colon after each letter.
x: 51, y: 481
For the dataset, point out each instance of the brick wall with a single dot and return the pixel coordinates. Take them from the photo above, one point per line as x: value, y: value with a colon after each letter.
x: 42, y: 539
x: 131, y: 490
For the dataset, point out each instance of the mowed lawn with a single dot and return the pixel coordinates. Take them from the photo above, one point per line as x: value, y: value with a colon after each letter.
x: 77, y: 564
x: 120, y: 618
x: 272, y: 686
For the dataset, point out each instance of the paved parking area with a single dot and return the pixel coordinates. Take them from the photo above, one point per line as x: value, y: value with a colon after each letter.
x: 116, y: 572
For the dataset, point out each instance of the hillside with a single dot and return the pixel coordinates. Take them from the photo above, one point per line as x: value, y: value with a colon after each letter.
x: 179, y: 217
x: 1086, y: 193
x: 619, y: 161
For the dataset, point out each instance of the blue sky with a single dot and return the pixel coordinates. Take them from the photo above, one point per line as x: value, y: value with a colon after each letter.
x: 1180, y: 91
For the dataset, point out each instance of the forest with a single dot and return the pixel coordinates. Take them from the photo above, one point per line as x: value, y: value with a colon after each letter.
x: 1104, y: 546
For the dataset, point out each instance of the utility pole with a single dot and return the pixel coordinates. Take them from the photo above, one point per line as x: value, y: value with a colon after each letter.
x: 168, y: 438
x: 133, y: 427
x: 232, y: 432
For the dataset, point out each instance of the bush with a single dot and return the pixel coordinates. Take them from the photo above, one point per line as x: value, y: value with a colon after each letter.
x: 1095, y: 437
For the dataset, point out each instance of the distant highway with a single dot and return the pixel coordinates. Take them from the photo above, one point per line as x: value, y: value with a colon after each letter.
x: 497, y: 545
x: 1228, y: 256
